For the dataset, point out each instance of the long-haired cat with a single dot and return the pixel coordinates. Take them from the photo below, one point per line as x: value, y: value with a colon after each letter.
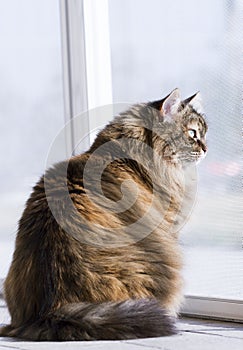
x: 97, y: 254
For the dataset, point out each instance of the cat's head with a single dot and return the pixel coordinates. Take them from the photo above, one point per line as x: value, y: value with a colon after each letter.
x: 174, y: 128
x: 180, y: 128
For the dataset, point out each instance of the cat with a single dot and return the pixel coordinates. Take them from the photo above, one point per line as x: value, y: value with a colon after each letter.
x: 97, y: 254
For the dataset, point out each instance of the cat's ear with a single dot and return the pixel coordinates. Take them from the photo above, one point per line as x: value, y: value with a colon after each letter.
x: 170, y: 106
x: 196, y: 102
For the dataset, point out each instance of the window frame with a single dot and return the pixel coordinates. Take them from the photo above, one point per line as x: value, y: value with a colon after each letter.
x: 85, y: 48
x: 74, y: 72
x: 213, y: 308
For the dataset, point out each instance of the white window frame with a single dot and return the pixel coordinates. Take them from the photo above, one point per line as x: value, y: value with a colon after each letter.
x: 88, y: 84
x: 74, y: 71
x: 86, y: 61
x: 98, y: 53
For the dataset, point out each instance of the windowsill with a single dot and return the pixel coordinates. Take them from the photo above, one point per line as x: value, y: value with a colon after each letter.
x: 193, y: 334
x: 1, y: 288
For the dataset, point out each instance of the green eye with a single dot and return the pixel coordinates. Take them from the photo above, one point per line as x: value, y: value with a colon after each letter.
x: 192, y: 133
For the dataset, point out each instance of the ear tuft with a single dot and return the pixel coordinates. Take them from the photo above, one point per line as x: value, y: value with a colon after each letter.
x: 170, y: 105
x: 195, y: 102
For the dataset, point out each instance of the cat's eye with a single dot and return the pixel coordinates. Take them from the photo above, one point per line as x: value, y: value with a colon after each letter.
x: 192, y: 133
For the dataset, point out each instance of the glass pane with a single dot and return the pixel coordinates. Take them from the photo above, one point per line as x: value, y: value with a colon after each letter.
x: 31, y: 105
x: 158, y: 45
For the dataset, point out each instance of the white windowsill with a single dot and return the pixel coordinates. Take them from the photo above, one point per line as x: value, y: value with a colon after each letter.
x: 213, y: 308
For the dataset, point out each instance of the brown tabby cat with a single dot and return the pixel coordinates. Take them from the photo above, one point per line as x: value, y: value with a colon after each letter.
x: 96, y: 253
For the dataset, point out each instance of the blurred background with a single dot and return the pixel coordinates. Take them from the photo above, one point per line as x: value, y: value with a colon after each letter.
x: 155, y: 46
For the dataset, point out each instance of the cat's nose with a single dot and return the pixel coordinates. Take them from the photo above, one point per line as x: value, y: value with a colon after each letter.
x: 203, y: 152
x: 203, y: 146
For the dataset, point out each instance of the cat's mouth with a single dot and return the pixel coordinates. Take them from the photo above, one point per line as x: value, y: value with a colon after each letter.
x: 198, y: 156
x: 193, y: 157
x: 195, y: 154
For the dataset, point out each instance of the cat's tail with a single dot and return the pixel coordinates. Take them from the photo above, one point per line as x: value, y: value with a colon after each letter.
x: 129, y: 319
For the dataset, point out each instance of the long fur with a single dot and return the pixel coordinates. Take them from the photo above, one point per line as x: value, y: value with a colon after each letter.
x: 89, y: 321
x: 82, y: 271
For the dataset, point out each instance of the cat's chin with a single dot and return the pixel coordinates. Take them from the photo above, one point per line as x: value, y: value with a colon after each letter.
x: 201, y: 157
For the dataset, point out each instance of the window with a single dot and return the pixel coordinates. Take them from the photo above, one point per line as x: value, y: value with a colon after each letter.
x: 128, y: 51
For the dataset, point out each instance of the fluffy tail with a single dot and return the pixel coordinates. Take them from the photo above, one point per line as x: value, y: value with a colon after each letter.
x: 129, y: 319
